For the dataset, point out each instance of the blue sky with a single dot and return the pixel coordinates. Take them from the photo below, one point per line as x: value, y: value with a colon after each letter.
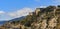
x: 16, y: 8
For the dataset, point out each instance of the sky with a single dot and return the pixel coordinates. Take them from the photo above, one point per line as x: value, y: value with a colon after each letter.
x: 10, y: 9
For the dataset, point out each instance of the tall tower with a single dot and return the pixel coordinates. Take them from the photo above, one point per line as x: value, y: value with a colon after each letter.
x: 55, y: 12
x: 37, y: 10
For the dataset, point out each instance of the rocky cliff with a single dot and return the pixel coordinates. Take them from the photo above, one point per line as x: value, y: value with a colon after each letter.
x: 42, y: 18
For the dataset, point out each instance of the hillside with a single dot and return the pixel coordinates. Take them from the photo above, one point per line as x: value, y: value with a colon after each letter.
x: 41, y: 18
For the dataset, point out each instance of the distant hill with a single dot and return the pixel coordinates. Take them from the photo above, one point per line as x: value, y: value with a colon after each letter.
x: 16, y: 19
x: 2, y: 22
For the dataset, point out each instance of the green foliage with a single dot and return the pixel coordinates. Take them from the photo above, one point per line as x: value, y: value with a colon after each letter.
x: 26, y: 19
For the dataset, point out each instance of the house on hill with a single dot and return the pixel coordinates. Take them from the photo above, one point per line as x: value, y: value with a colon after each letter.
x: 58, y: 10
x: 39, y: 10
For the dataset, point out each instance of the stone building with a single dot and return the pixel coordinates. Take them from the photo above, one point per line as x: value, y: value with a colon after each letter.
x: 37, y: 10
x: 57, y: 11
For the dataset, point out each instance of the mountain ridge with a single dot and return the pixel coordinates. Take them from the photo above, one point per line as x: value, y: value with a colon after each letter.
x: 45, y: 18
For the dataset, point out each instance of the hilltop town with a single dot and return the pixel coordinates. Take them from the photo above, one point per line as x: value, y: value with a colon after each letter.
x: 41, y: 18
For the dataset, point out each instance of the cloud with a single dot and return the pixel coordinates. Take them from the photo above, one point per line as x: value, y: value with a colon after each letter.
x: 2, y: 12
x: 43, y: 6
x: 22, y: 12
x: 5, y: 16
x: 12, y: 14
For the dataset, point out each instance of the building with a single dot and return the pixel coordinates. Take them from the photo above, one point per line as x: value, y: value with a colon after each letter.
x: 37, y: 10
x: 57, y: 12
